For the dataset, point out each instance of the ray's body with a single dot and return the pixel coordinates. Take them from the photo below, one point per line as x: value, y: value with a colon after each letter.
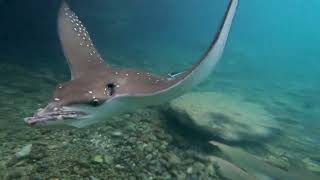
x: 97, y: 91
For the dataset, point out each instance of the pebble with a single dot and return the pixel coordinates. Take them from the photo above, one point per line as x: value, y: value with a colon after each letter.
x: 198, y: 167
x: 210, y: 170
x: 189, y: 170
x: 173, y: 159
x: 24, y: 152
x: 149, y: 148
x: 82, y: 163
x: 93, y: 178
x: 97, y: 159
x: 118, y: 166
x: 51, y: 147
x: 127, y: 115
x: 116, y: 133
x: 108, y: 159
x: 149, y: 157
x: 124, y: 155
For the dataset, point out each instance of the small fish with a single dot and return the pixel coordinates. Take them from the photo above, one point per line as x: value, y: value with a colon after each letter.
x: 97, y: 91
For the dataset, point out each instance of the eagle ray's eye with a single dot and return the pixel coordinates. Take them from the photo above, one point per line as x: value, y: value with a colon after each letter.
x: 95, y: 102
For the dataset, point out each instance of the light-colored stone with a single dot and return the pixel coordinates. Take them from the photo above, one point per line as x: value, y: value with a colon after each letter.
x: 228, y: 117
x: 97, y: 159
x: 116, y: 133
x: 24, y: 152
x: 189, y: 170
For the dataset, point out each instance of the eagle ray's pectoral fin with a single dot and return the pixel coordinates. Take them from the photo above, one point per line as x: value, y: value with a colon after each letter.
x: 201, y: 69
x: 77, y: 45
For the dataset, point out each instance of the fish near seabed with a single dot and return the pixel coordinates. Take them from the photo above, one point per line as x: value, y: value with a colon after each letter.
x: 97, y: 91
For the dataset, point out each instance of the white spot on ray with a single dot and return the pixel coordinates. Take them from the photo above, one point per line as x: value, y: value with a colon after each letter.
x: 56, y: 99
x: 90, y: 92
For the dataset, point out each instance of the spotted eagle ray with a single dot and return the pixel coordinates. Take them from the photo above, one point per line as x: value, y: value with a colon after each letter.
x: 97, y: 91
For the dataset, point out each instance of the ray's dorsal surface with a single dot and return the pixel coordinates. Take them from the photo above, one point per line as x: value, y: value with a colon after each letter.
x: 77, y: 45
x: 97, y: 91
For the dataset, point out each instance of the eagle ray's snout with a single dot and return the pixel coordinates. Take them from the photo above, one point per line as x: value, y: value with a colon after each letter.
x: 53, y: 112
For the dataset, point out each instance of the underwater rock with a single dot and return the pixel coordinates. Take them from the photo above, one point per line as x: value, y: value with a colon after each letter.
x: 24, y: 152
x: 226, y: 117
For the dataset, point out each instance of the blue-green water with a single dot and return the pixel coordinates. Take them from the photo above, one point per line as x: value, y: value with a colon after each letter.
x: 268, y: 75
